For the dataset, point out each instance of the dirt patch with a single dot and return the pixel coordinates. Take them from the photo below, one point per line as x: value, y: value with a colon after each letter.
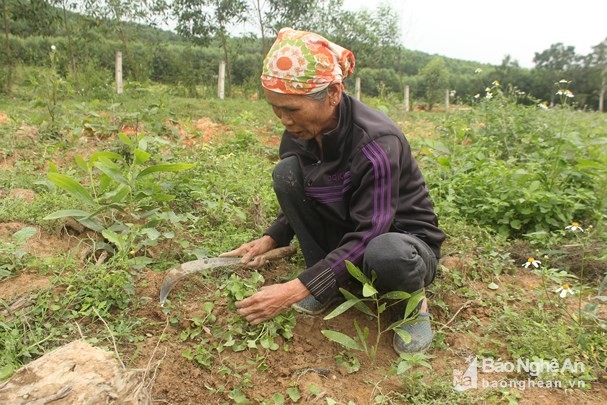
x: 209, y: 130
x: 24, y: 283
x: 19, y: 193
x: 271, y: 140
x: 202, y: 131
x: 4, y: 119
x: 27, y: 132
x: 42, y: 244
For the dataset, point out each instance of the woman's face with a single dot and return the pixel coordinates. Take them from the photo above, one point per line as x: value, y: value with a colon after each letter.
x: 304, y: 117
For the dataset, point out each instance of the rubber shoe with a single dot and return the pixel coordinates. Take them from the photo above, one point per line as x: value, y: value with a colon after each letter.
x: 421, y: 336
x: 312, y: 306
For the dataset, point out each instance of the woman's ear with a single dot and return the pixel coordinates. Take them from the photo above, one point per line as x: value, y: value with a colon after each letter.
x: 335, y: 92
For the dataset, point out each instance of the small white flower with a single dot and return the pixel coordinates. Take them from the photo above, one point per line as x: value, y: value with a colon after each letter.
x: 564, y: 290
x: 542, y: 106
x: 496, y: 83
x: 532, y: 262
x: 478, y: 70
x: 489, y: 95
x: 477, y: 95
x: 574, y: 227
x: 563, y: 81
x: 53, y: 48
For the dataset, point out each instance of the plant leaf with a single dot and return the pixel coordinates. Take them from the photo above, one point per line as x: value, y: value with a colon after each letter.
x: 342, y: 339
x: 360, y: 305
x: 356, y: 273
x: 68, y: 213
x: 73, y: 187
x: 341, y: 309
x: 111, y: 236
x: 25, y: 233
x: 415, y: 299
x: 396, y: 295
x: 111, y: 172
x: 141, y: 156
x: 368, y: 290
x: 404, y: 335
x: 172, y: 167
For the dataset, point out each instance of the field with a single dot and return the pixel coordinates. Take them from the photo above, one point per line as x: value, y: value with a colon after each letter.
x: 100, y: 197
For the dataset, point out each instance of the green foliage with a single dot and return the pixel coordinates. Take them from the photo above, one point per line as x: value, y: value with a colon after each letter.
x: 56, y: 314
x: 12, y: 253
x: 237, y: 334
x: 124, y: 199
x: 370, y: 294
x: 434, y: 81
x: 517, y: 169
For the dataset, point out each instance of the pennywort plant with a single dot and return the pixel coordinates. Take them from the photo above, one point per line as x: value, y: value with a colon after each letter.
x: 379, y: 303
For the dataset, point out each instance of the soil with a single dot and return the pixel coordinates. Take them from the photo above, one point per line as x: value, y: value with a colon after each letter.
x: 308, y: 364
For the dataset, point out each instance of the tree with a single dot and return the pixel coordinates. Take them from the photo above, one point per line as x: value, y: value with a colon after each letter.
x: 65, y: 4
x: 372, y: 36
x: 272, y: 15
x: 9, y: 55
x: 116, y: 12
x: 596, y: 62
x: 555, y: 63
x: 558, y: 58
x: 33, y: 17
x: 202, y: 20
x: 435, y: 80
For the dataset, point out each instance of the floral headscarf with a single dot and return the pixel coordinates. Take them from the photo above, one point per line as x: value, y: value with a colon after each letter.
x: 302, y: 62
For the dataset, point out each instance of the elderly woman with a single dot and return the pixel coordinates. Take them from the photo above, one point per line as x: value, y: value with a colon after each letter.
x: 348, y: 187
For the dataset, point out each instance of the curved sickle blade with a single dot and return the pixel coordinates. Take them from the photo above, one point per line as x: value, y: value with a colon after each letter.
x: 176, y: 274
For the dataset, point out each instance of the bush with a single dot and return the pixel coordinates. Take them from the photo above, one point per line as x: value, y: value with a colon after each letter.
x: 517, y: 169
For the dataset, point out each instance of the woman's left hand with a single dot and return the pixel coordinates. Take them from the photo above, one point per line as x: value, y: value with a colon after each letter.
x: 271, y: 300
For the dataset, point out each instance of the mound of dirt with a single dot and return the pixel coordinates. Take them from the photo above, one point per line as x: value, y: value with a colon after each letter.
x: 76, y: 373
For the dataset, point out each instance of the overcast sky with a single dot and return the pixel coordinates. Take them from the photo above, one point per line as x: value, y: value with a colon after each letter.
x: 487, y: 30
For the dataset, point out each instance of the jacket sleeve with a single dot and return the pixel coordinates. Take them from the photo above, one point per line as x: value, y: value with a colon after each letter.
x: 375, y: 173
x: 280, y: 230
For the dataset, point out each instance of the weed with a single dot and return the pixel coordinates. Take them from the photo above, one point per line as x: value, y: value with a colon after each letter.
x: 12, y: 253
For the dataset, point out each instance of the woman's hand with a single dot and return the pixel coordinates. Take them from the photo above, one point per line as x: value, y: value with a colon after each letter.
x: 252, y: 252
x: 271, y: 300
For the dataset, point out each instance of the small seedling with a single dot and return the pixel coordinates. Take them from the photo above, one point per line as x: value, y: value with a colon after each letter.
x: 370, y: 294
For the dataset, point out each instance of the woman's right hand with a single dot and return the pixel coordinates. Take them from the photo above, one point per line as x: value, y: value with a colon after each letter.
x: 253, y: 252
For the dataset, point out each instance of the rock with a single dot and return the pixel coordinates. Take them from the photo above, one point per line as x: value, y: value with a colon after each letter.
x: 75, y: 374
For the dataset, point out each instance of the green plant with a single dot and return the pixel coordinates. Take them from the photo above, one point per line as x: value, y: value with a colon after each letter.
x: 124, y: 201
x: 12, y: 253
x: 370, y: 294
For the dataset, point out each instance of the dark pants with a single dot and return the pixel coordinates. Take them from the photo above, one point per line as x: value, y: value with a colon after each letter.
x: 401, y: 261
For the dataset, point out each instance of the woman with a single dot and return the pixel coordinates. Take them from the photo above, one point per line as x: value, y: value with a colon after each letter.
x: 348, y: 187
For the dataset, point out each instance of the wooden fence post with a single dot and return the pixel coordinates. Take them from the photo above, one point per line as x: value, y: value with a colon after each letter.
x: 447, y: 100
x: 407, y: 98
x: 357, y: 89
x: 602, y: 95
x: 118, y: 72
x: 222, y: 80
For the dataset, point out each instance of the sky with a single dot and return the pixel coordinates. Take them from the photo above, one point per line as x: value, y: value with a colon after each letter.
x: 487, y: 30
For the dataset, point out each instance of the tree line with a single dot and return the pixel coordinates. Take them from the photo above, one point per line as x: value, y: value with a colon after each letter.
x: 86, y: 34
